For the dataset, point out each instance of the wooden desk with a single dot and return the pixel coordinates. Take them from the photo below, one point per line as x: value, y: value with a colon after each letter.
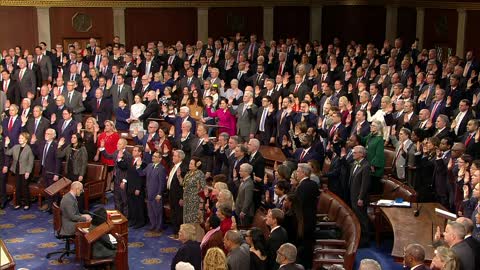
x: 120, y: 226
x: 408, y: 229
x: 272, y: 154
x: 6, y: 259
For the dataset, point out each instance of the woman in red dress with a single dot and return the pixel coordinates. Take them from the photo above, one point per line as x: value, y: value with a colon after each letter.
x: 110, y: 137
x: 164, y: 146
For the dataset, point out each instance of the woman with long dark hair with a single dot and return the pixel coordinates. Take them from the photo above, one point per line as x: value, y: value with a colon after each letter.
x: 258, y: 249
x: 293, y: 221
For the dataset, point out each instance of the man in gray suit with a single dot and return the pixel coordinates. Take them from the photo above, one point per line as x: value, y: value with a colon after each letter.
x: 238, y: 251
x: 119, y: 91
x: 246, y: 114
x: 69, y: 209
x: 74, y: 101
x: 287, y: 256
x: 359, y: 184
x: 25, y: 78
x: 45, y: 64
x: 404, y: 155
x: 244, y: 203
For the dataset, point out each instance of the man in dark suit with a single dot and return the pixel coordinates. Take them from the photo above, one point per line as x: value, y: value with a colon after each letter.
x: 175, y: 190
x: 455, y: 238
x: 46, y: 152
x: 361, y: 124
x: 177, y: 120
x: 12, y: 125
x: 10, y: 88
x: 66, y: 126
x: 437, y: 106
x: 258, y: 163
x: 441, y: 127
x: 202, y: 147
x: 101, y: 108
x: 284, y: 120
x: 287, y: 256
x: 71, y: 74
x: 189, y: 80
x: 266, y: 121
x: 148, y: 66
x: 69, y: 209
x: 415, y: 257
x: 278, y: 235
x: 307, y: 193
x: 151, y: 111
x: 464, y: 115
x: 25, y: 78
x: 468, y: 139
x: 299, y: 88
x: 173, y: 60
x: 359, y: 185
x: 257, y: 79
x: 37, y: 125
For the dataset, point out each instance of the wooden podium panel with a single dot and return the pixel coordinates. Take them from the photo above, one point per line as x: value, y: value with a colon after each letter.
x: 409, y: 229
x: 6, y: 259
x: 58, y: 186
x: 120, y: 226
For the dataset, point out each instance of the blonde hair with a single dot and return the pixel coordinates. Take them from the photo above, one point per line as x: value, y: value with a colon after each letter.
x: 215, y: 259
x: 447, y: 256
x: 189, y: 231
x: 220, y: 186
x: 94, y: 123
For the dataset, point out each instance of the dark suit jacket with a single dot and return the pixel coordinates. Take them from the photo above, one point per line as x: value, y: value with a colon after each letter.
x: 14, y: 132
x: 307, y: 192
x: 13, y: 92
x: 103, y: 112
x: 360, y: 182
x: 189, y: 252
x: 466, y: 255
x: 69, y: 130
x: 302, y: 90
x: 43, y: 125
x: 151, y: 111
x: 254, y: 80
x: 277, y: 238
x: 51, y: 162
x: 204, y: 151
x: 28, y: 82
x: 177, y: 122
x: 292, y: 266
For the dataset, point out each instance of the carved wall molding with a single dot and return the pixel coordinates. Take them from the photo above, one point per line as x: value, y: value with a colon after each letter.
x: 245, y: 3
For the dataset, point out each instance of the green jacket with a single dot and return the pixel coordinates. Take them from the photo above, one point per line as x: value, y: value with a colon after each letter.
x: 375, y: 154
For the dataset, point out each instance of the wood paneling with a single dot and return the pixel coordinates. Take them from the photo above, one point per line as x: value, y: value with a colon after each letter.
x: 291, y: 22
x: 61, y: 24
x: 440, y: 28
x: 472, y: 37
x: 407, y: 24
x: 19, y: 27
x: 228, y: 21
x: 363, y: 24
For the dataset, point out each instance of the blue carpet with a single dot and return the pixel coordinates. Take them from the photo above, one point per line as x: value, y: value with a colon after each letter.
x: 29, y: 237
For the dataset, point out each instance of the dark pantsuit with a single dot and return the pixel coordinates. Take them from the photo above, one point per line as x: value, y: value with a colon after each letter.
x: 120, y: 198
x: 137, y: 206
x: 23, y: 194
x: 361, y: 213
x: 176, y: 214
x: 3, y: 188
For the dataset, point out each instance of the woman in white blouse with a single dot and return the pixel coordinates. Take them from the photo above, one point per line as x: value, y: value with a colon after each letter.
x: 385, y: 108
x: 233, y: 92
x: 136, y: 110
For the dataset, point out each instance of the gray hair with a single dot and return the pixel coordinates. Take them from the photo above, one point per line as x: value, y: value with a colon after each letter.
x: 255, y: 142
x: 224, y: 135
x: 185, y: 108
x: 289, y: 251
x: 180, y: 154
x: 379, y: 127
x: 458, y: 229
x: 361, y: 150
x: 369, y: 264
x: 417, y: 251
x: 188, y: 124
x: 247, y: 167
x: 305, y: 168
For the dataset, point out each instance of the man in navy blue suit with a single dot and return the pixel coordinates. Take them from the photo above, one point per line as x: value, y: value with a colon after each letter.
x: 65, y: 127
x: 156, y: 176
x: 150, y: 136
x: 12, y: 126
x: 46, y: 151
x: 177, y: 120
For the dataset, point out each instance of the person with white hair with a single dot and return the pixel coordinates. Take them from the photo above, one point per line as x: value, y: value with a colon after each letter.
x: 184, y: 266
x: 307, y: 193
x: 190, y: 251
x: 360, y: 183
x: 177, y: 120
x: 244, y: 205
x: 286, y: 257
x: 369, y: 264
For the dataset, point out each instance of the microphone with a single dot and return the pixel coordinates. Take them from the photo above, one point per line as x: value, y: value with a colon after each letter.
x: 94, y: 215
x: 416, y: 213
x: 54, y: 173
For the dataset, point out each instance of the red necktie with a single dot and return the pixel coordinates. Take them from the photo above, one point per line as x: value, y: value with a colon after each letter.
x: 332, y: 131
x: 296, y: 88
x: 280, y: 69
x: 468, y: 139
x: 303, y: 155
x: 434, y: 110
x: 98, y: 104
x: 10, y: 124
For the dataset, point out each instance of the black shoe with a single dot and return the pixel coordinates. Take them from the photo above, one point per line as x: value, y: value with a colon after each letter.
x: 138, y: 226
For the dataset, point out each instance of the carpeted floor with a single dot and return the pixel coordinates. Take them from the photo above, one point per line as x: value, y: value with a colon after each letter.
x: 29, y: 237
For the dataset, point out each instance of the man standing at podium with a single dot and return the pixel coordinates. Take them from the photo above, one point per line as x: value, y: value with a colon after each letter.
x: 69, y: 208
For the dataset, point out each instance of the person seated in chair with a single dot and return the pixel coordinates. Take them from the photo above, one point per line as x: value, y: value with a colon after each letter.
x: 69, y: 207
x: 103, y: 248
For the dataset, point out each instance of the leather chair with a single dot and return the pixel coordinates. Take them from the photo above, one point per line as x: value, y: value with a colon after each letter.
x: 94, y: 183
x: 38, y: 186
x: 57, y: 226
